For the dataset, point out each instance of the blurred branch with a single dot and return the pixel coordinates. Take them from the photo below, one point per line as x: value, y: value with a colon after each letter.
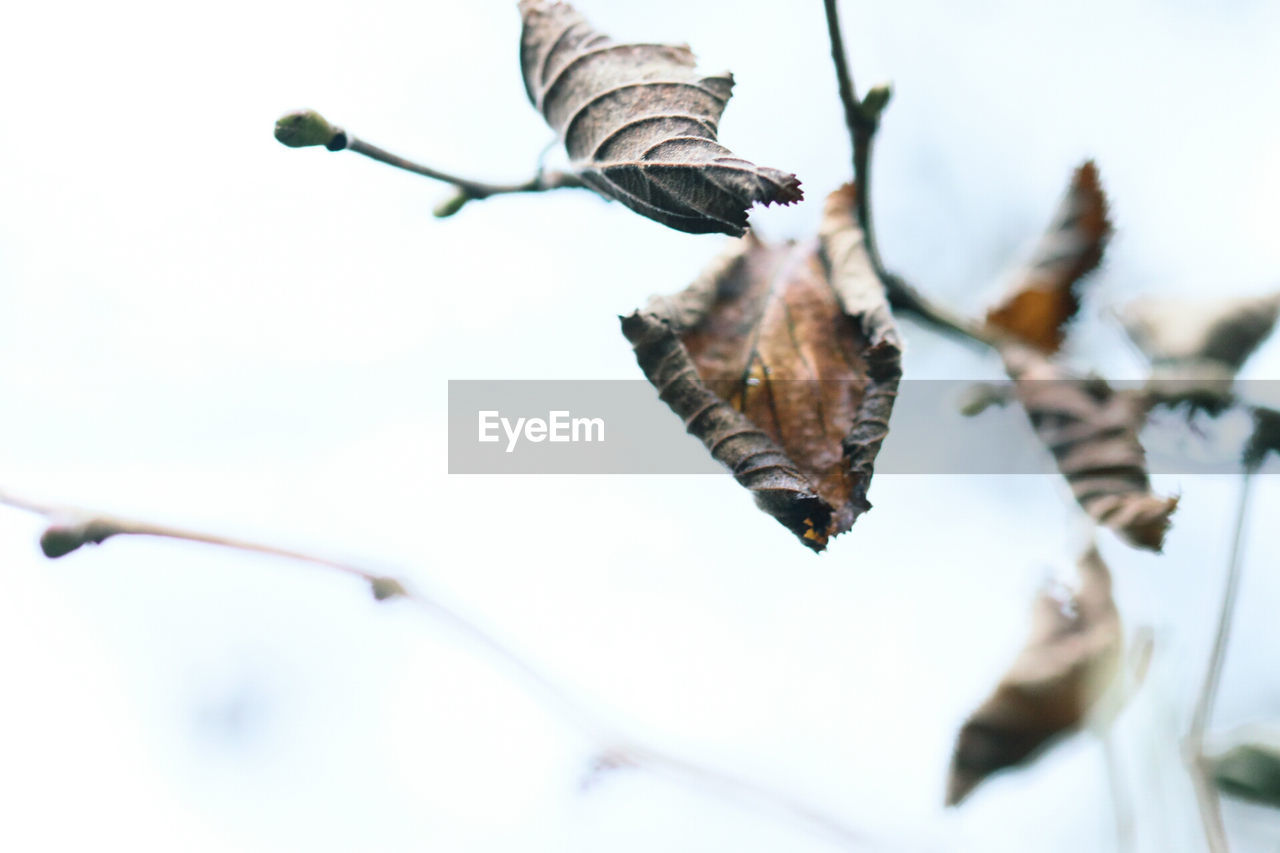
x: 70, y: 529
x: 1206, y: 793
x: 862, y: 118
x: 1215, y: 831
x: 1213, y: 675
x: 307, y: 128
x: 1121, y: 806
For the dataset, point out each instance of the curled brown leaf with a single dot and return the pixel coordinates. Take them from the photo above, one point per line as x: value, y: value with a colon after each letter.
x: 1045, y: 293
x: 1092, y: 432
x: 785, y: 361
x: 640, y: 124
x: 1070, y: 659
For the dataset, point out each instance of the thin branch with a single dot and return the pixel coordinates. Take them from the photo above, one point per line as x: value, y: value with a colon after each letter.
x: 1213, y: 674
x: 862, y: 118
x: 1206, y: 792
x: 467, y: 189
x: 307, y: 128
x: 70, y: 529
x: 854, y: 118
x: 754, y: 796
x: 905, y: 297
x: 1121, y: 806
x: 1215, y: 831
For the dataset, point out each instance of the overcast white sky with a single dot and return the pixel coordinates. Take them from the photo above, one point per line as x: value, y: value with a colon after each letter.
x: 201, y: 326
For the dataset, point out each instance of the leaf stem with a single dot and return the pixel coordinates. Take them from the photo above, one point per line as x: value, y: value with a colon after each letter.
x: 71, y: 528
x: 862, y: 118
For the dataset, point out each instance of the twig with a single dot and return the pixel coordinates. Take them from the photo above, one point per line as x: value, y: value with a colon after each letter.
x: 862, y: 118
x: 855, y: 118
x: 753, y: 795
x: 1121, y: 807
x: 307, y: 128
x: 905, y: 297
x: 1206, y: 793
x: 70, y: 529
x: 1213, y: 675
x: 1215, y: 831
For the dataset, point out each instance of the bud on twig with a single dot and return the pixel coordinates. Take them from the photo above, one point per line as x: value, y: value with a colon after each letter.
x: 450, y: 205
x: 305, y: 128
x: 384, y: 588
x: 877, y: 98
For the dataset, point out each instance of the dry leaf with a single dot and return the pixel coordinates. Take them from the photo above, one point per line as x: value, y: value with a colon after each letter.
x: 785, y: 361
x: 1092, y: 432
x: 1250, y: 767
x: 1045, y: 293
x: 640, y: 124
x: 1196, y: 347
x: 1071, y: 657
x: 1224, y: 332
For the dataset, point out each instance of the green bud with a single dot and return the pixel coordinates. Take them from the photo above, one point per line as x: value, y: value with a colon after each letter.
x: 305, y: 128
x: 385, y: 588
x: 877, y: 99
x: 63, y: 536
x: 58, y: 541
x: 451, y: 205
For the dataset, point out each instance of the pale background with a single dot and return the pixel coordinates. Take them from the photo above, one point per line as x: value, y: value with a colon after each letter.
x: 201, y: 326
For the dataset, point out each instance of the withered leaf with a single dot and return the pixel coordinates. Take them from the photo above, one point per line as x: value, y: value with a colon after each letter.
x: 1045, y: 293
x: 1250, y: 767
x: 1092, y: 432
x: 785, y: 361
x: 1181, y: 331
x: 1196, y: 347
x: 1070, y: 659
x: 640, y: 124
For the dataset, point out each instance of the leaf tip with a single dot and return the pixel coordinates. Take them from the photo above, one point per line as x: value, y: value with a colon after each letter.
x: 1086, y: 183
x: 782, y: 188
x: 1047, y: 294
x: 806, y: 515
x: 1149, y: 522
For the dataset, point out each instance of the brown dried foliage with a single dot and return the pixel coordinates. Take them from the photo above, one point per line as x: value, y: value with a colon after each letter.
x: 1045, y: 293
x: 640, y: 124
x: 785, y: 361
x: 1092, y: 432
x: 1183, y: 334
x: 1070, y: 659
